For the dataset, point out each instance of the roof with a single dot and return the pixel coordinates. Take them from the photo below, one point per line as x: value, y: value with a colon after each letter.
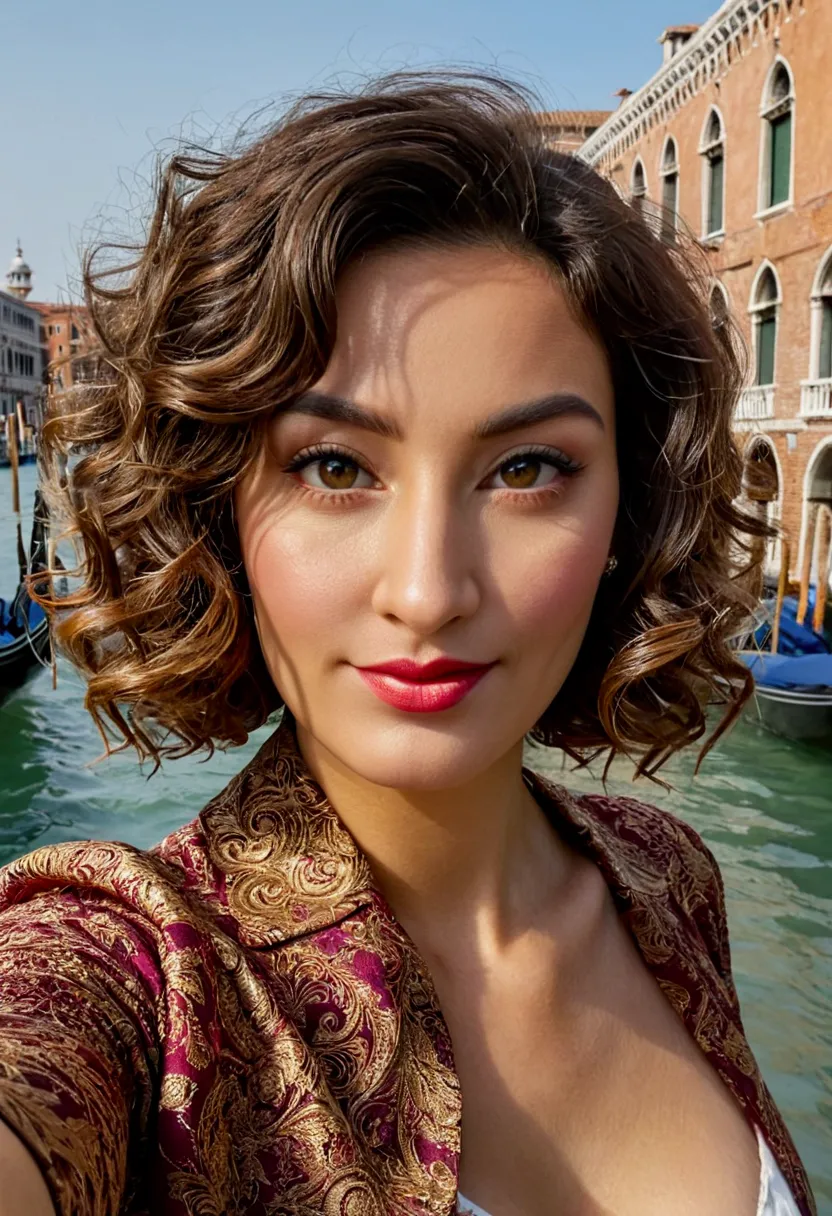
x: 49, y: 310
x: 10, y: 298
x: 702, y: 57
x: 573, y: 118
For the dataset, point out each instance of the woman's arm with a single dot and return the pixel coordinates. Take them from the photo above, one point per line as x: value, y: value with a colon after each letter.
x: 78, y: 1034
x: 22, y: 1188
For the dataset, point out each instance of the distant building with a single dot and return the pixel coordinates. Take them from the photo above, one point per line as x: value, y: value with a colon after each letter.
x: 67, y: 335
x: 22, y: 358
x: 567, y: 130
x: 731, y: 139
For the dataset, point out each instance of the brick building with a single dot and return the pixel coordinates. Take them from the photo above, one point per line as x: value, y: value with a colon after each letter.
x: 67, y: 336
x: 568, y: 130
x: 731, y: 139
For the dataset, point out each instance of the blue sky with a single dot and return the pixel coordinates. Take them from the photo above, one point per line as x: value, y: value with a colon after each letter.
x: 92, y: 90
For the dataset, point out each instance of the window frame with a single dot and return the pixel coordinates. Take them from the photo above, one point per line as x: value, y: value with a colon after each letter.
x: 758, y: 310
x: 707, y: 148
x: 821, y: 293
x: 719, y: 288
x: 771, y: 109
x: 825, y: 351
x: 668, y: 169
x: 638, y: 197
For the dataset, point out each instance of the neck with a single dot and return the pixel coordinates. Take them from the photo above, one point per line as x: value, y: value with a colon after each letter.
x: 481, y: 855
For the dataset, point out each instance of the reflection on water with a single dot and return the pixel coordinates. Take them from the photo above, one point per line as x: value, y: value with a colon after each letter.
x: 763, y: 805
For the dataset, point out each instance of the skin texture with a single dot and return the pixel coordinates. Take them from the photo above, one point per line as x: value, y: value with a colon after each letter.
x: 440, y: 546
x: 23, y: 1188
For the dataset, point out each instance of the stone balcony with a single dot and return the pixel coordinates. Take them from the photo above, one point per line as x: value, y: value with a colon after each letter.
x: 755, y: 402
x: 816, y: 398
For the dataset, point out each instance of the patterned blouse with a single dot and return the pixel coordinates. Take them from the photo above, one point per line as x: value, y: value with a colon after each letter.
x: 233, y: 1021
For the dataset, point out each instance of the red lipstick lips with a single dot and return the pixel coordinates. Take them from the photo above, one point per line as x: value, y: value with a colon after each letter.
x: 423, y: 688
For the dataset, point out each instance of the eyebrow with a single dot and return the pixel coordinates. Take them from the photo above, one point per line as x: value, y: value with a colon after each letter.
x: 338, y: 409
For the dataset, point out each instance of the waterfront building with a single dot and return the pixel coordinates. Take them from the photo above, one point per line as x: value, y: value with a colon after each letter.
x: 730, y: 141
x: 67, y: 336
x: 22, y: 358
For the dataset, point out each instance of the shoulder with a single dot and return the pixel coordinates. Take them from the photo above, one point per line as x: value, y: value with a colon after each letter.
x: 643, y: 846
x: 665, y: 843
x: 652, y: 859
x: 680, y: 860
x: 91, y: 882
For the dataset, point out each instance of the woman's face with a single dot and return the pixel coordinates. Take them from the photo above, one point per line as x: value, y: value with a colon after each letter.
x: 447, y: 489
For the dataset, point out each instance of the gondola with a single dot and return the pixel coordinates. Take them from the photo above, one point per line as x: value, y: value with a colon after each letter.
x: 790, y: 655
x: 24, y: 626
x: 793, y: 694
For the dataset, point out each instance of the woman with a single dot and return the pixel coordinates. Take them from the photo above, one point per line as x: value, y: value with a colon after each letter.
x: 413, y: 427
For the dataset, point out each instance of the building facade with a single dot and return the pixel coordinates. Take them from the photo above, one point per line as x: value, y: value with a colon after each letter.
x: 731, y: 140
x: 22, y: 358
x: 67, y: 336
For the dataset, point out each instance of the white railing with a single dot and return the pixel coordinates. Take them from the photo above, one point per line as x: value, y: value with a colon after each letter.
x: 816, y: 398
x: 706, y: 56
x: 756, y: 402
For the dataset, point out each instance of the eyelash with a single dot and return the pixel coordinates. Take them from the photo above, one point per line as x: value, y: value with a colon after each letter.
x: 564, y: 464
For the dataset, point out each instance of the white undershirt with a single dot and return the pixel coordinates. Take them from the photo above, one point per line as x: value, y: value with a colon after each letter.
x: 776, y: 1198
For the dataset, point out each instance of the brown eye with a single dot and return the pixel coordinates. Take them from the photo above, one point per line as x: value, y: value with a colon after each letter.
x: 329, y: 470
x: 522, y: 472
x: 336, y: 473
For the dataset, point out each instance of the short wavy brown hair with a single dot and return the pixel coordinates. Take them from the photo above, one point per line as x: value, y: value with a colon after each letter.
x: 228, y: 311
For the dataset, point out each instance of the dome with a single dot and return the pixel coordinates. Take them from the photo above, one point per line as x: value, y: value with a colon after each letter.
x: 19, y: 275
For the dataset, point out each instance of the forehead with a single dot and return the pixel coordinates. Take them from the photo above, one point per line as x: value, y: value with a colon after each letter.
x: 470, y: 328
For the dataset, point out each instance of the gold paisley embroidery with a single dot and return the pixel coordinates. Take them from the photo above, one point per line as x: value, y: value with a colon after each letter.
x: 177, y: 1092
x: 289, y: 863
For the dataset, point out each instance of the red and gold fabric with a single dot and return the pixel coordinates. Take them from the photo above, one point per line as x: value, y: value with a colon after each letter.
x: 233, y: 1021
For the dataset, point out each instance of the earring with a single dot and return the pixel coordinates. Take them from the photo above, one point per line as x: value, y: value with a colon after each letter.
x: 612, y: 562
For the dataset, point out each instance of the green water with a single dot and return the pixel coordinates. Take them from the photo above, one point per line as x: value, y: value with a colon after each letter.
x: 763, y: 805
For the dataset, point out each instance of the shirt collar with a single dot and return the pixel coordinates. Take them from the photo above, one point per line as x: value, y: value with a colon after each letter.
x: 616, y: 833
x: 289, y: 867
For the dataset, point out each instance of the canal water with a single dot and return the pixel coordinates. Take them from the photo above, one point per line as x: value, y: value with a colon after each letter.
x: 763, y: 805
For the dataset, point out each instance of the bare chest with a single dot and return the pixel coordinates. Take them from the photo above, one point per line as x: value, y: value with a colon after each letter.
x: 583, y: 1093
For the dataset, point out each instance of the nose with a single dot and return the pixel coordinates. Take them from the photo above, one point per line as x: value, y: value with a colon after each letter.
x: 428, y: 576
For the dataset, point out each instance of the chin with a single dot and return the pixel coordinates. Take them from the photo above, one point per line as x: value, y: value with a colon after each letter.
x: 408, y: 752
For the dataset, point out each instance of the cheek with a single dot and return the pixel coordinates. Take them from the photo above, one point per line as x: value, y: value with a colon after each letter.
x: 304, y: 581
x: 555, y: 591
x: 549, y: 574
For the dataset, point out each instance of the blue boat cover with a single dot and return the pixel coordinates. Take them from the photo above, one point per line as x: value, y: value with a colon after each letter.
x: 794, y: 639
x: 13, y: 623
x: 806, y: 672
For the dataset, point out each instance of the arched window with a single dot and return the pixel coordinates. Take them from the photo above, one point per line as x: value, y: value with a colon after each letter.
x: 777, y: 113
x: 712, y: 151
x: 719, y: 306
x: 821, y: 328
x: 816, y: 392
x: 638, y: 186
x: 670, y: 190
x: 765, y: 298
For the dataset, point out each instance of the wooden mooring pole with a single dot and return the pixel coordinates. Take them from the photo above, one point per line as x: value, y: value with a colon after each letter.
x: 782, y: 587
x: 808, y: 554
x: 824, y: 566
